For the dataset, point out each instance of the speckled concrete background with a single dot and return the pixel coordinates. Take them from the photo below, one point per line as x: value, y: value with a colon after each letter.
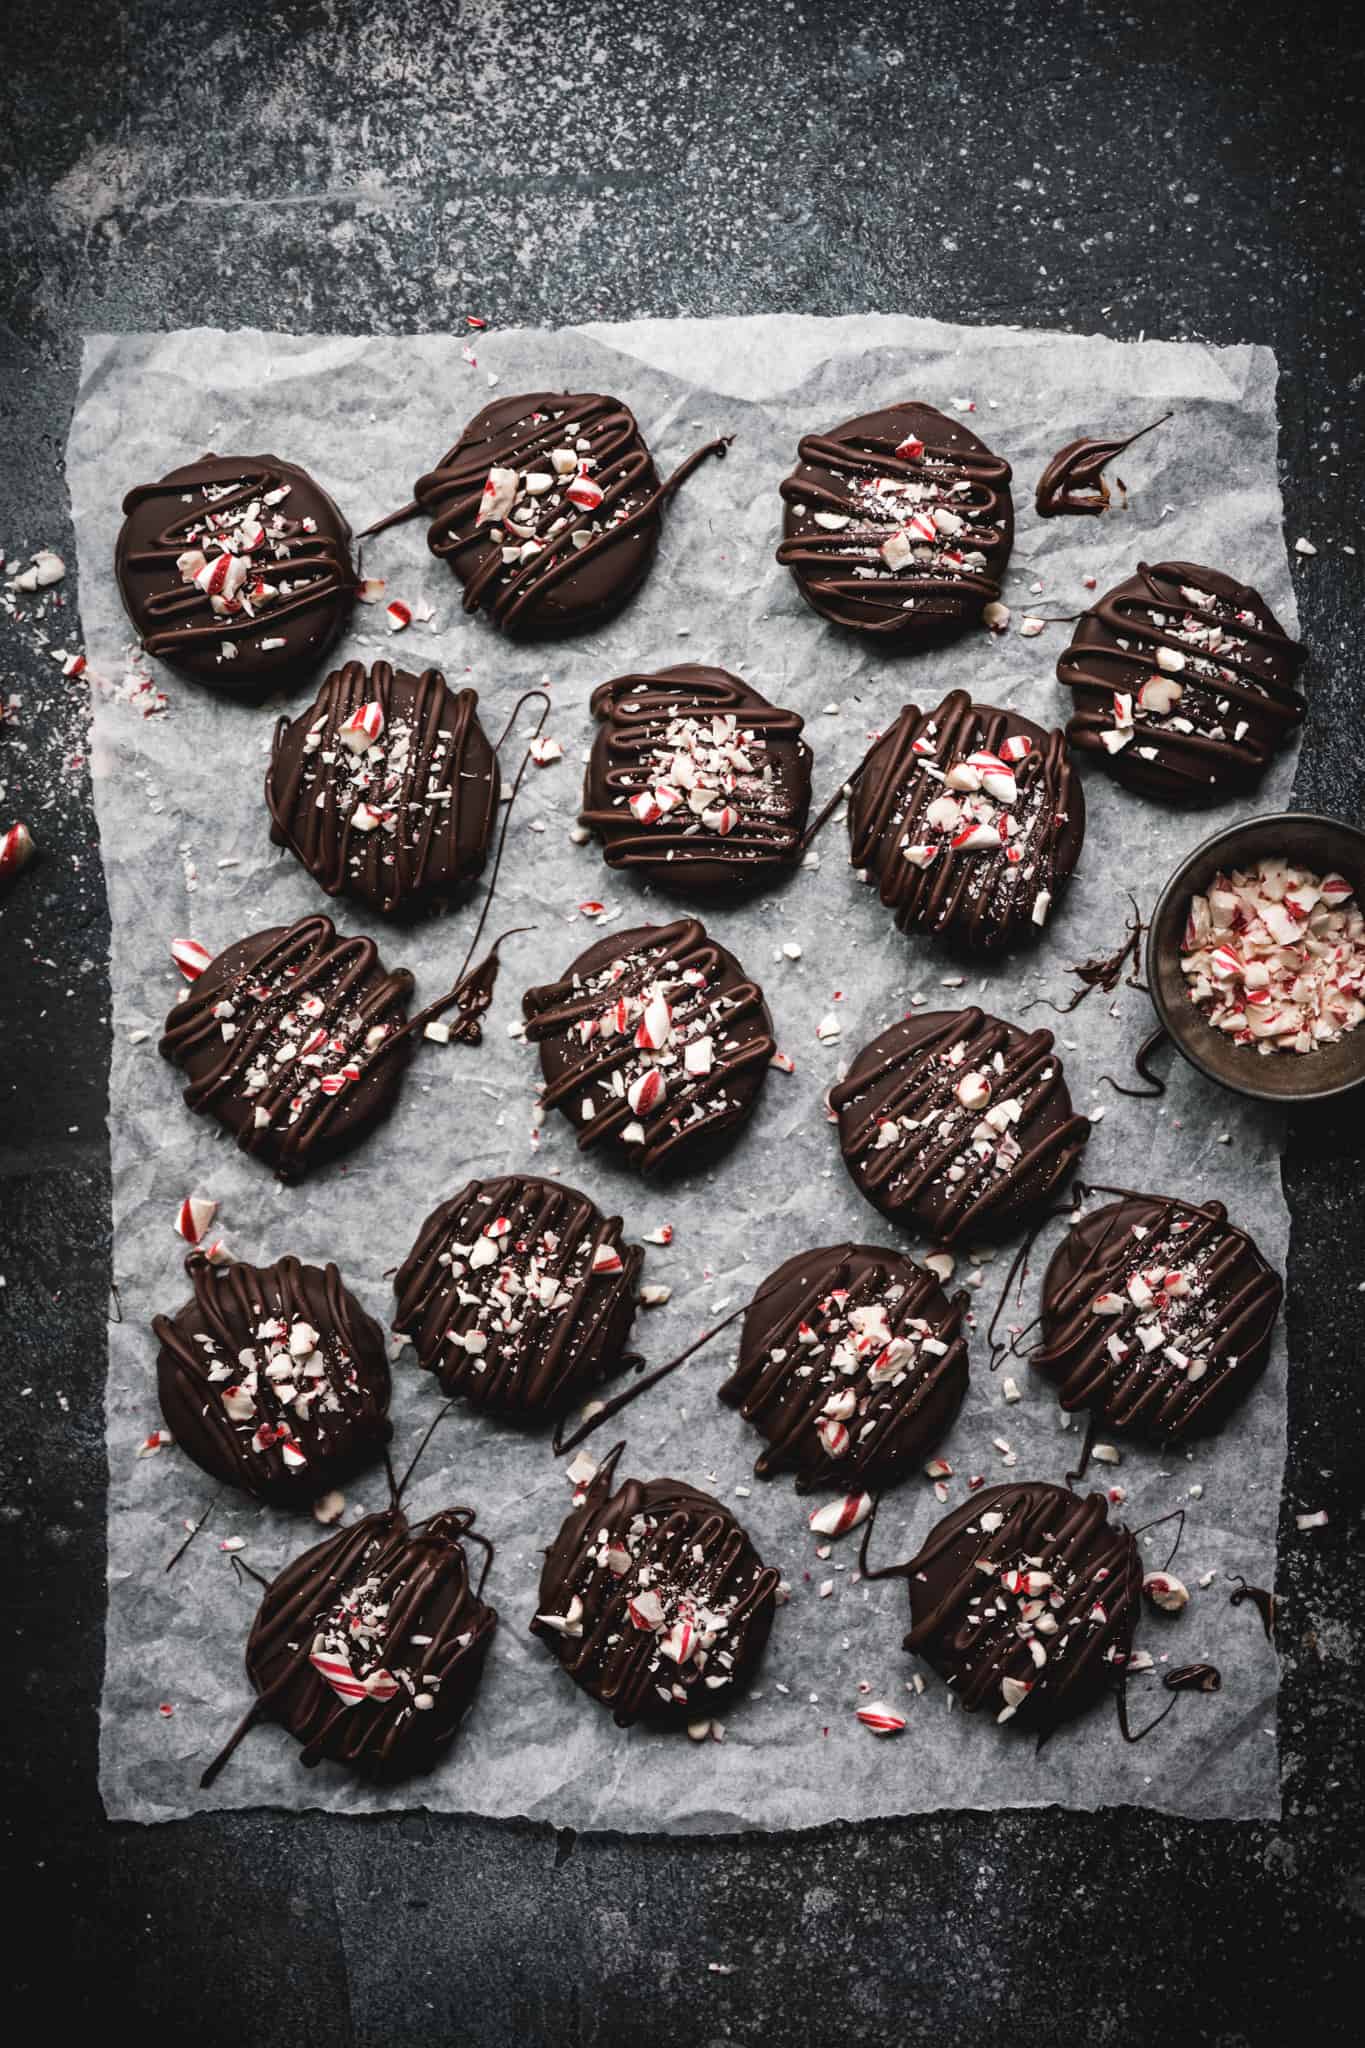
x: 1169, y: 170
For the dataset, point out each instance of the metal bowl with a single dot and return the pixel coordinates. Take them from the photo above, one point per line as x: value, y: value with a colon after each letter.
x: 1327, y: 846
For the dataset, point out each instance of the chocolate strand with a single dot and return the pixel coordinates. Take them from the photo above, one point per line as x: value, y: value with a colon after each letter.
x: 1265, y: 1603
x: 1145, y: 1052
x: 179, y: 1552
x: 1073, y: 481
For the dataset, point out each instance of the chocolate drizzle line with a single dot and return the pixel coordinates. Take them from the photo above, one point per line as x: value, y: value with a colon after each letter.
x: 1263, y: 1601
x: 1104, y: 972
x: 983, y: 896
x: 504, y: 1300
x: 1150, y: 1045
x: 1184, y: 1678
x: 1074, y: 482
x: 854, y: 474
x: 442, y: 806
x: 657, y: 1540
x: 909, y: 1077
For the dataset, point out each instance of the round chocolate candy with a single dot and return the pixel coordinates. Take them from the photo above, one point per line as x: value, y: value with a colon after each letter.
x: 969, y: 820
x: 273, y: 1378
x: 955, y: 1124
x: 1024, y: 1599
x: 369, y: 1648
x: 236, y: 570
x: 295, y: 1040
x: 1157, y: 1316
x: 696, y: 782
x: 654, y: 1599
x: 387, y: 789
x: 852, y: 1364
x: 548, y: 510
x: 899, y: 524
x: 654, y: 1041
x: 518, y: 1295
x: 1183, y: 682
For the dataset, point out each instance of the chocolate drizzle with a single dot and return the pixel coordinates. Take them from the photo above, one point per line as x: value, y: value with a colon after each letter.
x: 1194, y: 668
x: 368, y: 1648
x: 274, y: 1380
x: 1263, y: 1601
x: 1074, y: 479
x: 907, y: 546
x: 852, y: 1364
x: 654, y: 1600
x: 1157, y: 1316
x: 518, y: 1295
x: 654, y: 1040
x: 963, y: 844
x: 1024, y: 1600
x: 271, y: 553
x: 405, y: 817
x: 580, y: 526
x: 954, y: 1122
x: 695, y: 780
x: 295, y: 1040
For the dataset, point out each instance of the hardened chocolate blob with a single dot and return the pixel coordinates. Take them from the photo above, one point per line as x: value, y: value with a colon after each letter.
x: 295, y: 1041
x: 369, y: 1648
x: 654, y: 1599
x: 898, y: 524
x: 852, y: 1364
x: 1157, y: 1316
x: 969, y: 820
x: 273, y: 1378
x: 1183, y: 682
x: 548, y: 510
x: 654, y: 1043
x: 236, y: 570
x: 387, y: 789
x: 696, y: 782
x: 954, y: 1123
x: 1024, y: 1600
x: 518, y: 1295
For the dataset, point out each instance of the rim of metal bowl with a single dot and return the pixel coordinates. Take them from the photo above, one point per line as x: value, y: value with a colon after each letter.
x: 1174, y: 884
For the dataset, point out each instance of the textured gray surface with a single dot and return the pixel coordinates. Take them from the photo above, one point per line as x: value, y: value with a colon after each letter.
x: 1184, y: 172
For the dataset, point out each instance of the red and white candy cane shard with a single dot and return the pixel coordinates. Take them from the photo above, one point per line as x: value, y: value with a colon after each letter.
x: 646, y: 1093
x: 920, y: 526
x: 380, y: 1685
x: 1015, y: 748
x: 585, y: 493
x: 645, y: 808
x: 194, y: 1216
x: 363, y: 727
x: 293, y: 1454
x: 190, y: 957
x: 499, y: 494
x: 16, y: 851
x: 679, y: 1642
x: 332, y: 1084
x: 974, y: 837
x: 591, y: 909
x: 880, y: 1719
x: 655, y: 1027
x: 398, y: 614
x: 837, y: 1517
x: 646, y: 1610
x: 606, y: 1259
x: 832, y: 1435
x: 910, y: 449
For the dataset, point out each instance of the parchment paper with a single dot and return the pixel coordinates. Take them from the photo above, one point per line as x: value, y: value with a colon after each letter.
x: 180, y: 795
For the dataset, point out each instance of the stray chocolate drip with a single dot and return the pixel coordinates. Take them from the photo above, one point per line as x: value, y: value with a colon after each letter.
x: 245, y: 585
x: 1157, y: 1315
x: 1183, y: 682
x: 1141, y: 1062
x: 655, y: 1039
x: 1074, y: 482
x: 1194, y: 1678
x: 1103, y: 973
x: 548, y: 510
x: 368, y: 1649
x: 176, y: 1555
x: 914, y: 1101
x: 695, y: 781
x: 654, y: 1600
x: 1263, y: 1601
x: 898, y: 524
x: 474, y: 993
x: 1087, y: 1445
x: 518, y: 1295
x: 117, y: 1300
x: 937, y: 776
x: 881, y: 1571
x: 1018, y: 1270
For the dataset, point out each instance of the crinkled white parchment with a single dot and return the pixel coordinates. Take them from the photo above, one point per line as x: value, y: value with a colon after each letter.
x: 186, y: 849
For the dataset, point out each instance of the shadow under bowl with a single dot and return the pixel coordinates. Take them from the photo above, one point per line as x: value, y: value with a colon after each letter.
x: 1324, y: 845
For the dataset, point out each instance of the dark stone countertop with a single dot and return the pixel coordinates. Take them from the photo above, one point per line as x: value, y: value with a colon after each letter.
x: 1190, y: 172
